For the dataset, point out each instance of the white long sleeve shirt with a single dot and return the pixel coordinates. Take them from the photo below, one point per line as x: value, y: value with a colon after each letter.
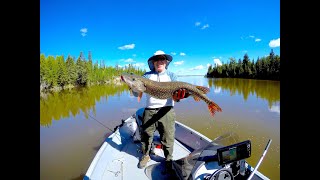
x: 165, y: 76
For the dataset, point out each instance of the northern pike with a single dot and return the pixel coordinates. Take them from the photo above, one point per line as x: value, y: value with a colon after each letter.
x: 165, y: 90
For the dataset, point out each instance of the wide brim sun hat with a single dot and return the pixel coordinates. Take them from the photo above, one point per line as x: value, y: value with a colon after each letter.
x: 159, y: 52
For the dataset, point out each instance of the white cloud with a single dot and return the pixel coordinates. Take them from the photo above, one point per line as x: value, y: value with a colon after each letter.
x: 205, y: 26
x: 178, y: 63
x: 139, y: 64
x: 197, y: 68
x: 173, y: 53
x: 217, y: 62
x: 129, y: 46
x: 274, y: 43
x: 208, y: 65
x: 84, y: 31
x: 182, y: 54
x: 136, y: 65
x: 129, y: 60
x: 251, y: 37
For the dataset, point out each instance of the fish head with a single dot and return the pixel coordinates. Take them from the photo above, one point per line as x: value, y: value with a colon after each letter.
x: 134, y: 82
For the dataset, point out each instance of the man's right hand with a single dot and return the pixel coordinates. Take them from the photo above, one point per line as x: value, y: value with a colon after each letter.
x: 180, y: 94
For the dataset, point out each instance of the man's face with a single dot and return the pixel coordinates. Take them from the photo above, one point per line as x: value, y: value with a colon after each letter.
x: 160, y: 63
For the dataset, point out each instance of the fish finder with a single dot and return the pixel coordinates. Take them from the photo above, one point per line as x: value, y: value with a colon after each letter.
x: 234, y: 152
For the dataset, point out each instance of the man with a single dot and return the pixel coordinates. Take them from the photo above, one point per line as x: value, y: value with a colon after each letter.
x: 159, y: 113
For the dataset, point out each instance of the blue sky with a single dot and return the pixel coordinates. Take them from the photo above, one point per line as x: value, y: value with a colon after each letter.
x: 195, y: 33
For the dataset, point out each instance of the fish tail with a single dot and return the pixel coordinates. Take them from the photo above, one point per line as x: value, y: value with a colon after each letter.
x: 213, y: 108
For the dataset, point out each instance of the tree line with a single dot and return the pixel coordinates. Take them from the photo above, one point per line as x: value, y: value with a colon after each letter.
x: 264, y: 68
x: 56, y: 72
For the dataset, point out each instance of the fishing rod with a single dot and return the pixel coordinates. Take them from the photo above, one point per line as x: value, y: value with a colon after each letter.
x: 114, y: 130
x: 258, y: 164
x: 101, y: 123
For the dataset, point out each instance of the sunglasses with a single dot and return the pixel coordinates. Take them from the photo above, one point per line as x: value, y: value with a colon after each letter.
x: 160, y: 58
x: 156, y: 60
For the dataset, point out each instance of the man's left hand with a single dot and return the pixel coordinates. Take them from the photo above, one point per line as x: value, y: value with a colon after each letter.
x: 180, y: 94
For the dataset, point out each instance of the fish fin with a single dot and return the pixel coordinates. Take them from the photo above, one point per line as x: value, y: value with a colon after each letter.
x: 213, y: 108
x: 143, y: 88
x: 139, y: 96
x: 196, y: 98
x: 205, y: 90
x: 131, y: 94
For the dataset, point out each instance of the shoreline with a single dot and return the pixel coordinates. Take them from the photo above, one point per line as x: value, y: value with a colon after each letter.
x: 44, y: 90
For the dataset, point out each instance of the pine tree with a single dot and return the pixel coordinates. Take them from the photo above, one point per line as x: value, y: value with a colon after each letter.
x: 89, y: 69
x: 63, y: 77
x: 71, y: 69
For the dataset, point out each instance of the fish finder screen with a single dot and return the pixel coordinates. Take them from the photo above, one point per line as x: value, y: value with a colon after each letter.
x: 229, y: 155
x: 234, y: 152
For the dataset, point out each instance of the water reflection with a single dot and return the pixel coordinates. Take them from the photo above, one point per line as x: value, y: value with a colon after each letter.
x: 71, y: 102
x: 56, y: 106
x: 264, y: 89
x: 217, y: 90
x: 275, y: 108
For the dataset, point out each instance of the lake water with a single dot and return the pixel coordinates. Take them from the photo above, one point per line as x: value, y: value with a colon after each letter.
x: 73, y: 124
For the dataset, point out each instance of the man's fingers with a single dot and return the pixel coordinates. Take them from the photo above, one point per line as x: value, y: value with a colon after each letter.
x: 183, y: 93
x: 175, y: 94
x: 179, y: 93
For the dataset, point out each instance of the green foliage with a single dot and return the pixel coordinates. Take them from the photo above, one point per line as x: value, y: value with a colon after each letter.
x: 63, y: 77
x: 82, y: 74
x: 43, y: 68
x: 72, y: 71
x: 52, y: 75
x: 264, y: 68
x: 57, y: 72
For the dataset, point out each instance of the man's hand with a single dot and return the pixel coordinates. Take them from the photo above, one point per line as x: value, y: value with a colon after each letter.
x: 180, y: 94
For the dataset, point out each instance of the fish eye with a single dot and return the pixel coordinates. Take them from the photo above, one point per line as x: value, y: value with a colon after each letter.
x: 133, y: 79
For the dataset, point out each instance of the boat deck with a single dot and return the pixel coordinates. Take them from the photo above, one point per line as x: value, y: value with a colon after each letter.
x: 119, y: 155
x: 124, y: 158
